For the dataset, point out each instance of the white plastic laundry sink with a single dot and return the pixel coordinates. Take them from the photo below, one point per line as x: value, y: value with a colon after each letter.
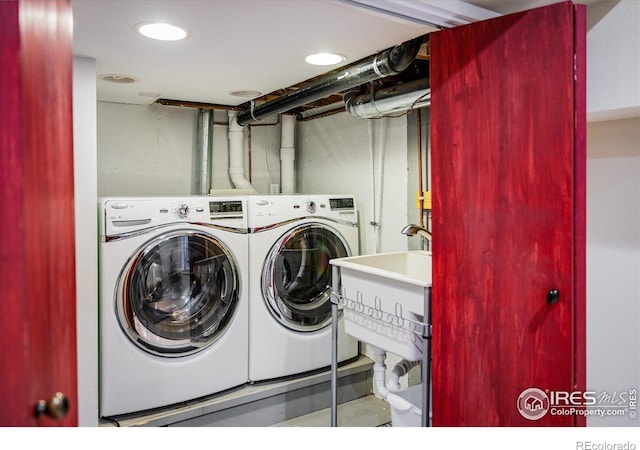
x: 412, y: 267
x: 384, y: 298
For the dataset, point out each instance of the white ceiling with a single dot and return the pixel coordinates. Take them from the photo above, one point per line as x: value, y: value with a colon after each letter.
x: 234, y: 44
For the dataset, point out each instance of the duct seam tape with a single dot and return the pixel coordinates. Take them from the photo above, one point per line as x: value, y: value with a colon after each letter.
x: 287, y: 154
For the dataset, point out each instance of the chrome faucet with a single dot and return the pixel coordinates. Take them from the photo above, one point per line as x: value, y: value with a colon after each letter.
x: 413, y: 229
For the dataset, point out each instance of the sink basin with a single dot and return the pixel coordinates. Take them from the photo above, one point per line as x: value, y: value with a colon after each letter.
x: 384, y: 298
x: 412, y: 267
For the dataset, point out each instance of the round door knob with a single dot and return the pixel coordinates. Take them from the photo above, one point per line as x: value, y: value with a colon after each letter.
x: 56, y: 407
x: 553, y: 296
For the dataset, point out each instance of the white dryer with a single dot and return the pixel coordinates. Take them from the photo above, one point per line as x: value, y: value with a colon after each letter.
x: 173, y: 300
x: 292, y: 238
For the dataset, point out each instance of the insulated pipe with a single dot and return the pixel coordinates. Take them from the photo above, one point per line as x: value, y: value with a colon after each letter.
x: 391, y: 61
x: 288, y: 155
x: 391, y: 100
x: 236, y: 159
x: 320, y: 111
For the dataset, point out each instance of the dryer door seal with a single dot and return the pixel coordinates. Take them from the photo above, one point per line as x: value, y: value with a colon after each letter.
x: 178, y: 293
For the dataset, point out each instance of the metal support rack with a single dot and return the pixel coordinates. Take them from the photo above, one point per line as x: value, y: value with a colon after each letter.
x: 386, y: 319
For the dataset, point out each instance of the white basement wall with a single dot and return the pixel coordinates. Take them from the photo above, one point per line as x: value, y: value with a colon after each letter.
x: 613, y: 261
x: 145, y: 150
x: 334, y: 157
x: 86, y: 224
x: 613, y: 202
x: 613, y: 60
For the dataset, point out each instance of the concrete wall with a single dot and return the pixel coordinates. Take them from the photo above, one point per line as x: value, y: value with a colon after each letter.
x: 145, y: 150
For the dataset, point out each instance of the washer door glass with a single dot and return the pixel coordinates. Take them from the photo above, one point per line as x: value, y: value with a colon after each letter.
x: 296, y: 279
x: 178, y: 293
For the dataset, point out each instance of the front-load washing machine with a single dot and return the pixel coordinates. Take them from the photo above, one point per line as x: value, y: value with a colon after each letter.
x: 292, y: 238
x: 173, y: 300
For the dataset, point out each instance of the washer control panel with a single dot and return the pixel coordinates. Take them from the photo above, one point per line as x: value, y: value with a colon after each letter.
x: 342, y: 204
x: 126, y: 215
x: 226, y: 209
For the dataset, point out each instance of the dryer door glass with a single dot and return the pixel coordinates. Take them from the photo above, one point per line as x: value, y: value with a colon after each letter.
x: 296, y: 279
x: 177, y: 295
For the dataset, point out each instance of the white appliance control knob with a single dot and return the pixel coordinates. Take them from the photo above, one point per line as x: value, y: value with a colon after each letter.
x: 182, y: 210
x: 311, y: 207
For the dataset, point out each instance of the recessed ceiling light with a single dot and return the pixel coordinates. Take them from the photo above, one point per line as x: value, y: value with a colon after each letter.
x: 162, y: 31
x: 245, y: 93
x: 149, y: 94
x: 325, y: 59
x: 118, y: 78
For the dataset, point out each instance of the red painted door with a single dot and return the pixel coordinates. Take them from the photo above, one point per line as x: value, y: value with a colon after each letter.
x: 508, y: 164
x: 37, y: 263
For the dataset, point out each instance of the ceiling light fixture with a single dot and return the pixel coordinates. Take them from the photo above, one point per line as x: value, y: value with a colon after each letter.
x: 325, y: 59
x: 162, y: 31
x: 119, y: 78
x: 245, y: 93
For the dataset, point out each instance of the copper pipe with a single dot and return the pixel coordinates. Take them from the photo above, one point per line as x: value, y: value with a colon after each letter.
x: 420, y: 187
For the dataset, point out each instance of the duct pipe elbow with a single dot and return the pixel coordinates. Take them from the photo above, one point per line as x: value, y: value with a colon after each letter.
x: 392, y: 100
x: 401, y: 56
x: 236, y: 161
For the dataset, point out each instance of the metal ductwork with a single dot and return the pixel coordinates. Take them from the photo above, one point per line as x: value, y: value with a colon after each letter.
x: 391, y: 61
x: 203, y: 156
x: 388, y: 101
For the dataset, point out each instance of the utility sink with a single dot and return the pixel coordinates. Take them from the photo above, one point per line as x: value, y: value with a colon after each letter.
x: 412, y: 267
x: 384, y: 299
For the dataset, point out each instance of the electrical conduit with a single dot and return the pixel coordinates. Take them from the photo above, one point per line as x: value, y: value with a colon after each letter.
x: 372, y: 167
x: 381, y: 157
x: 377, y: 187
